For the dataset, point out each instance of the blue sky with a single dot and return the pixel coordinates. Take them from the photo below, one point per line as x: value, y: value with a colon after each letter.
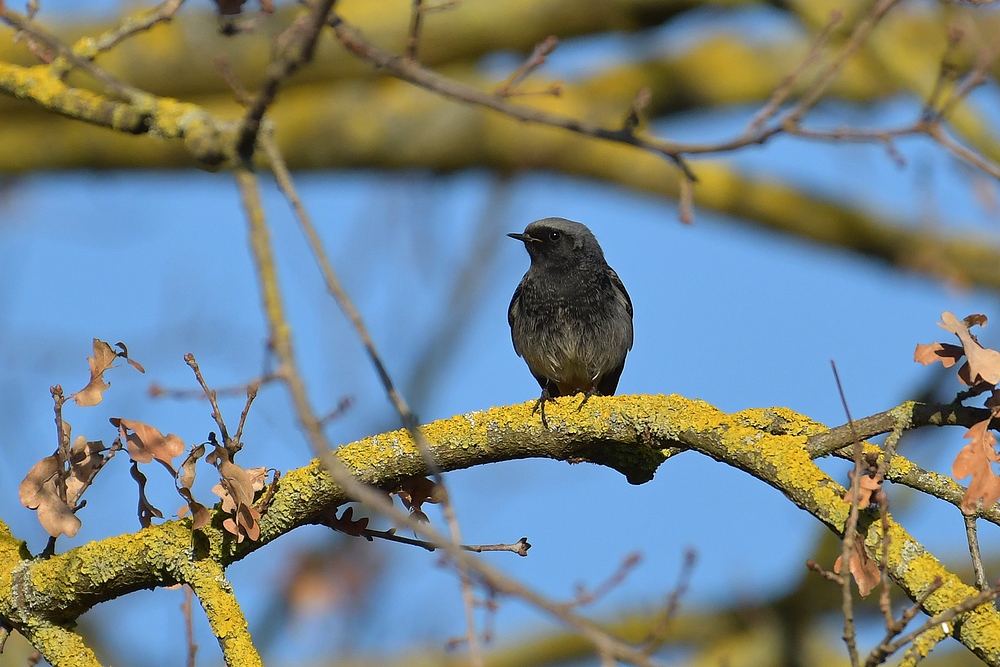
x: 723, y: 312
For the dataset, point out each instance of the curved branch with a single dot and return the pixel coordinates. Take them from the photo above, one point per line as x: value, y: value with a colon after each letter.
x: 208, y: 581
x: 632, y: 434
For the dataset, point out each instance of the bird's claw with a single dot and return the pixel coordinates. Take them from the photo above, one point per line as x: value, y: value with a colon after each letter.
x: 540, y: 406
x: 586, y: 397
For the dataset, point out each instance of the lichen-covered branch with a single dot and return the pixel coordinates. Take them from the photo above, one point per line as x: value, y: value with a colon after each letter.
x: 632, y: 434
x: 208, y: 581
x: 164, y: 118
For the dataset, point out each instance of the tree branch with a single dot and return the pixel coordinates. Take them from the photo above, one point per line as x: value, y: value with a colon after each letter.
x: 632, y: 434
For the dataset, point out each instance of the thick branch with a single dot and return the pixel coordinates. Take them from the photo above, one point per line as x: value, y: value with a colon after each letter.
x: 632, y: 434
x: 229, y: 625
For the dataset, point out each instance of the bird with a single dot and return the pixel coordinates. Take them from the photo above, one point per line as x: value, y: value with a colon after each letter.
x: 571, y: 316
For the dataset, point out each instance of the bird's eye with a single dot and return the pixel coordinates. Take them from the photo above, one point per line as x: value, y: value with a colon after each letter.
x: 554, y: 236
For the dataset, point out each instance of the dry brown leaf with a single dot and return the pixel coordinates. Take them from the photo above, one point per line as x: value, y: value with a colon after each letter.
x: 187, y: 472
x: 975, y: 459
x: 38, y: 491
x: 236, y: 489
x: 146, y: 509
x: 201, y: 514
x: 984, y: 363
x: 258, y: 477
x: 93, y: 393
x: 868, y: 485
x: 864, y: 570
x: 244, y: 524
x: 946, y: 353
x: 40, y: 474
x: 346, y: 522
x: 132, y: 362
x: 416, y: 491
x: 146, y: 443
x: 54, y: 514
x: 86, y: 459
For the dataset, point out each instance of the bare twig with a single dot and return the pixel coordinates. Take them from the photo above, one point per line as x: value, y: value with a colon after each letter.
x: 658, y: 634
x: 828, y: 73
x: 62, y: 440
x: 409, y: 419
x: 282, y: 344
x: 584, y: 597
x: 886, y: 647
x: 36, y: 32
x: 685, y: 202
x: 416, y: 22
x: 534, y: 61
x: 970, y: 82
x: 242, y: 95
x: 850, y: 534
x: 295, y: 47
x: 782, y: 92
x: 947, y: 616
x: 407, y: 70
x: 89, y: 48
x: 159, y: 391
x: 231, y: 446
x: 192, y: 647
x: 977, y: 558
x: 945, y: 72
x: 885, y: 595
x: 520, y: 547
x: 251, y: 395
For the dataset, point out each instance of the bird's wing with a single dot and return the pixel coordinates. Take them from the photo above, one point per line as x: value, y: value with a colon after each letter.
x: 620, y: 286
x: 515, y: 303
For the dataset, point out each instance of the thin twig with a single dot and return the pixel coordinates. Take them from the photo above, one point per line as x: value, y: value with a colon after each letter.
x: 90, y: 48
x: 520, y: 547
x: 159, y: 391
x: 192, y: 647
x: 377, y: 500
x: 827, y: 74
x: 886, y: 647
x: 409, y: 419
x: 416, y: 22
x: 534, y: 61
x: 970, y: 82
x: 977, y: 557
x: 947, y: 616
x: 782, y: 92
x: 407, y: 70
x: 295, y: 46
x: 127, y: 92
x: 658, y: 635
x: 850, y: 534
x: 885, y: 595
x: 62, y: 440
x: 945, y: 71
x: 251, y: 395
x: 227, y: 442
x: 585, y: 597
x: 685, y: 200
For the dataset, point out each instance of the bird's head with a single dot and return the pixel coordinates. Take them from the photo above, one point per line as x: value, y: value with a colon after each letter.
x: 560, y: 243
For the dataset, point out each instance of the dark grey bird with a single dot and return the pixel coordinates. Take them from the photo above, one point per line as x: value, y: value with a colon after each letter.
x: 570, y: 317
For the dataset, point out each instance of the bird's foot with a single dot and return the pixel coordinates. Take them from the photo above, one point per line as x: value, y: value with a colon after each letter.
x: 540, y: 406
x: 586, y: 397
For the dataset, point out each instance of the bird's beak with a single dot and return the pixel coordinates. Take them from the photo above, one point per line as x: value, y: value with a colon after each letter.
x: 524, y: 238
